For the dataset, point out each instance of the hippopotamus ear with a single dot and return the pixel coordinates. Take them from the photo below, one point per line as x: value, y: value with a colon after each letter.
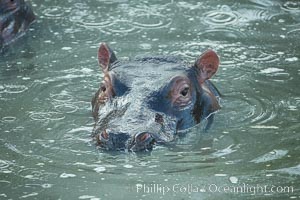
x: 207, y: 64
x: 105, y: 56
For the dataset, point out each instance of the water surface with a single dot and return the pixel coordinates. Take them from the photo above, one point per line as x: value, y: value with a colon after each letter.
x: 48, y: 78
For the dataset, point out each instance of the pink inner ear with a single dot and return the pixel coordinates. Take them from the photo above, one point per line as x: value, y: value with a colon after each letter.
x: 208, y: 64
x: 103, y: 56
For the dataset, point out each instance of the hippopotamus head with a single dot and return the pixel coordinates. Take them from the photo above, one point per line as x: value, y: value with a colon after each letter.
x: 151, y: 99
x: 15, y: 18
x: 7, y: 6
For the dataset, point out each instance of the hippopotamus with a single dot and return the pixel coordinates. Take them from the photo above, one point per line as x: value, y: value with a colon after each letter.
x: 149, y: 100
x: 15, y: 18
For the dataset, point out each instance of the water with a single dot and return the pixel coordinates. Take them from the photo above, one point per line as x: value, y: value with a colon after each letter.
x: 48, y: 78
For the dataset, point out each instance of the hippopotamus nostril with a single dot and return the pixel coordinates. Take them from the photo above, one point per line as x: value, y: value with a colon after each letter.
x: 143, y: 141
x: 102, y: 138
x: 159, y: 118
x: 104, y: 135
x: 142, y: 137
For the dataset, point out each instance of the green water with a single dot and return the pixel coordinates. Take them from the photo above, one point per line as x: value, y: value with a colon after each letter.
x: 48, y: 78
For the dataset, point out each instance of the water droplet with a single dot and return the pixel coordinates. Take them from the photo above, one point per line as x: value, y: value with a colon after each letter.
x: 29, y: 195
x: 269, y: 175
x: 66, y: 48
x: 145, y: 46
x: 65, y: 175
x: 100, y: 169
x: 271, y: 70
x: 128, y: 166
x: 293, y: 59
x: 87, y: 197
x: 233, y: 179
x: 47, y: 185
x: 264, y: 127
x: 221, y: 175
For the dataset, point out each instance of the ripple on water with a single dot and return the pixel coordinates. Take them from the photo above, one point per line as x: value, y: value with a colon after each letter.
x: 132, y: 21
x: 81, y: 6
x: 88, y: 19
x: 289, y: 170
x: 91, y: 24
x: 277, y: 74
x: 66, y: 108
x: 233, y: 55
x: 4, y: 166
x: 29, y: 195
x: 220, y: 18
x: 249, y: 109
x: 257, y: 55
x: 264, y: 111
x: 62, y: 97
x: 193, y: 49
x: 273, y: 155
x: 189, y: 6
x: 255, y: 15
x: 262, y: 15
x: 42, y: 116
x: 291, y: 6
x: 9, y: 119
x: 185, y: 161
x: 146, y: 19
x: 120, y: 26
x: 294, y: 34
x: 12, y: 89
x: 34, y: 174
x: 56, y: 12
x: 62, y: 102
x: 226, y: 151
x: 221, y: 34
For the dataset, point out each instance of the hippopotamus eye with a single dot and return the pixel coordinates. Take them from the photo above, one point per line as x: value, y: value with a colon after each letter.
x: 103, y: 88
x: 185, y: 91
x: 180, y: 91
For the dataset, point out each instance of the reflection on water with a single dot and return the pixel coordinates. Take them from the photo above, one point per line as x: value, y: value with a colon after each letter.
x: 48, y: 77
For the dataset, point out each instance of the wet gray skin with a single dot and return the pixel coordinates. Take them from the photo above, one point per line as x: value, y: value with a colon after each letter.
x: 150, y: 99
x: 15, y: 18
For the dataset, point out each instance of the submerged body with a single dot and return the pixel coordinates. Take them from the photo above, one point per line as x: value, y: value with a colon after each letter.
x: 149, y: 99
x: 15, y: 18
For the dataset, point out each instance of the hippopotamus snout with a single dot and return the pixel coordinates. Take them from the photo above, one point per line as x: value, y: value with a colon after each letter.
x: 132, y: 126
x: 143, y: 141
x: 130, y: 132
